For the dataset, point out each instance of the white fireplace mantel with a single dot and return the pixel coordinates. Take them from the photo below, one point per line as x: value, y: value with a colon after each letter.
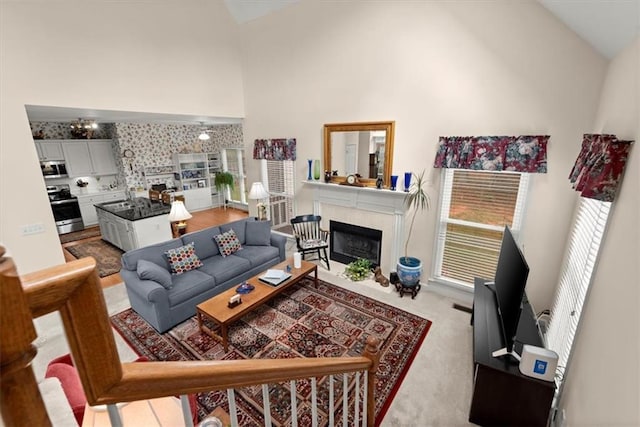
x: 365, y: 199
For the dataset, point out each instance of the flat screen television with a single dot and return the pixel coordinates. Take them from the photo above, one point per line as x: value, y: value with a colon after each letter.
x: 510, y: 280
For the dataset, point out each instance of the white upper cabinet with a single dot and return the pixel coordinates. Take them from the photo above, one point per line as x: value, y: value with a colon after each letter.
x: 48, y: 151
x: 89, y: 157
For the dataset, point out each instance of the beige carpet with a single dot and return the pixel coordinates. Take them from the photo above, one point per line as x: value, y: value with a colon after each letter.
x: 106, y: 255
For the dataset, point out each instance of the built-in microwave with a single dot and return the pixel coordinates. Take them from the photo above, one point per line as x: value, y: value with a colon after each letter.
x: 55, y: 169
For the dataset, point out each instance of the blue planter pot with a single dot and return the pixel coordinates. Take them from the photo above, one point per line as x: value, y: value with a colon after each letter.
x: 409, y: 270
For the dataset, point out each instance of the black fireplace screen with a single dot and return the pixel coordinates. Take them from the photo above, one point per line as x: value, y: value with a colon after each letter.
x: 349, y: 242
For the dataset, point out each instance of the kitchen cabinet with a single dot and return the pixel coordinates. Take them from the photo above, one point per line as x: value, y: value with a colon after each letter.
x: 87, y: 202
x: 49, y: 150
x: 90, y: 157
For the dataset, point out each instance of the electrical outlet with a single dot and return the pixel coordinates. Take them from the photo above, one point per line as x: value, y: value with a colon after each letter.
x: 32, y: 229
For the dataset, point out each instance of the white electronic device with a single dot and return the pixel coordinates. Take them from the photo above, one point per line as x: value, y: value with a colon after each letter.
x: 538, y: 362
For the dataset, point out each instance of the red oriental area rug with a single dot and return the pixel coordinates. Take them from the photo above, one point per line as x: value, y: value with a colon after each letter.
x: 300, y: 322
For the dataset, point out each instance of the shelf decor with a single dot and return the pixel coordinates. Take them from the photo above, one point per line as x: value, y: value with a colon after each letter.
x: 407, y: 181
x: 316, y: 170
x: 394, y: 182
x: 309, y: 178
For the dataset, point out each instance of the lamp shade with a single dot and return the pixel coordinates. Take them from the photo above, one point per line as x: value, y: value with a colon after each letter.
x: 178, y: 212
x: 258, y: 191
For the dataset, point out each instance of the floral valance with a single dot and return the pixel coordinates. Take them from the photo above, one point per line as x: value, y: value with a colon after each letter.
x: 600, y: 166
x: 275, y: 149
x: 525, y: 153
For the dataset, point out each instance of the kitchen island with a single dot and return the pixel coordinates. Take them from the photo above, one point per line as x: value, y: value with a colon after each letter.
x: 132, y: 224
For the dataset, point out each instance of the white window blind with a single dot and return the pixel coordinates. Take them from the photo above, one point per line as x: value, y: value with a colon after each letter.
x: 280, y: 184
x: 474, y: 208
x: 575, y: 278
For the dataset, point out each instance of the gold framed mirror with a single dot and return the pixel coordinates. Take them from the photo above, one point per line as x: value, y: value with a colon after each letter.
x: 364, y: 148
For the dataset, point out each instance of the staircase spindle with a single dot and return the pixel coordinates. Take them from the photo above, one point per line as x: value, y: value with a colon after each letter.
x: 294, y: 404
x: 356, y: 409
x: 233, y: 414
x: 314, y: 403
x: 266, y: 405
x: 345, y: 399
x: 331, y: 401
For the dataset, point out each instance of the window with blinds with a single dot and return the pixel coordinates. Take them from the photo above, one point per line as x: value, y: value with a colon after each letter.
x: 281, y: 187
x: 575, y: 278
x: 474, y: 208
x: 233, y: 162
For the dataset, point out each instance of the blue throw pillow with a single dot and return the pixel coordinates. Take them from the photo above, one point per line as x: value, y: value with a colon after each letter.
x: 148, y: 270
x: 258, y: 233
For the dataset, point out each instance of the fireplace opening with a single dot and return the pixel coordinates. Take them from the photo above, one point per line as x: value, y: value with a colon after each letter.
x: 349, y: 242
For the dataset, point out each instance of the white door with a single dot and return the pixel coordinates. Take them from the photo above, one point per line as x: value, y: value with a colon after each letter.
x: 350, y: 158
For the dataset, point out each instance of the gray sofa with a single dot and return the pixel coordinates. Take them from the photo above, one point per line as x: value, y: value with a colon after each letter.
x: 164, y: 299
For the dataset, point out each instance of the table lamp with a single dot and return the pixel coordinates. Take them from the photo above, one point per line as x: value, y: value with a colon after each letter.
x: 259, y: 193
x: 179, y: 215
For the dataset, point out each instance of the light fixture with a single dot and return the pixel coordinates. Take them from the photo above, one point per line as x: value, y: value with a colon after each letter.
x: 179, y: 215
x: 258, y: 192
x: 204, y: 136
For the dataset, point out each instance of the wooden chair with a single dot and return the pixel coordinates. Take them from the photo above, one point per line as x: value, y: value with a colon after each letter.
x: 310, y: 237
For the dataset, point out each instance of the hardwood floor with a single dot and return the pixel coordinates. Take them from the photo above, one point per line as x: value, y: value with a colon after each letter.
x: 201, y: 219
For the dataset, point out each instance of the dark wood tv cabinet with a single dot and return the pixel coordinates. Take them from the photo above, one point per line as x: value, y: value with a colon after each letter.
x: 501, y: 394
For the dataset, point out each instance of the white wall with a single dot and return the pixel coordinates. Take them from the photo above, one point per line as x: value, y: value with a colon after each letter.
x: 436, y: 68
x: 167, y: 57
x: 603, y: 381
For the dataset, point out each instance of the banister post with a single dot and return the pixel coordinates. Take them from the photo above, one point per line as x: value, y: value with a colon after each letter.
x: 372, y: 352
x: 20, y: 400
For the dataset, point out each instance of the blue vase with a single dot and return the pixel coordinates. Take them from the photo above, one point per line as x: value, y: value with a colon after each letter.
x: 394, y: 182
x: 309, y: 177
x: 407, y: 181
x: 409, y: 270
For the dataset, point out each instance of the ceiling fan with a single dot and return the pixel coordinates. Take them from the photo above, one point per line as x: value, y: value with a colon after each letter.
x: 204, y: 132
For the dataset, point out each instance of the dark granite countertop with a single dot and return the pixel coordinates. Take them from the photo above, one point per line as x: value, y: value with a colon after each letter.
x: 135, y: 209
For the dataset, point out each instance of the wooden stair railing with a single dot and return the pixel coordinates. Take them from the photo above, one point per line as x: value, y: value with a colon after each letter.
x: 74, y: 290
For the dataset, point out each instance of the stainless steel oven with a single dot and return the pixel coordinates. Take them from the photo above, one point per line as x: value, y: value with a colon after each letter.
x: 66, y: 209
x: 54, y: 169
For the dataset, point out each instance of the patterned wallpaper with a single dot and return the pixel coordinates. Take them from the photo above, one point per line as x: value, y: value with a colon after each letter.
x: 154, y: 144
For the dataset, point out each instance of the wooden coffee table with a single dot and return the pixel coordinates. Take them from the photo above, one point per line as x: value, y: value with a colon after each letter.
x: 216, y: 308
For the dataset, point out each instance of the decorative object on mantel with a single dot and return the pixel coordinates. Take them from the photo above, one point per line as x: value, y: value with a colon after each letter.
x: 599, y: 167
x: 407, y: 181
x: 259, y: 193
x: 379, y: 277
x: 310, y: 162
x: 353, y: 180
x: 379, y: 182
x: 335, y: 173
x: 409, y: 269
x: 316, y: 170
x: 327, y: 176
x: 179, y: 215
x: 358, y: 270
x: 394, y: 182
x: 524, y: 153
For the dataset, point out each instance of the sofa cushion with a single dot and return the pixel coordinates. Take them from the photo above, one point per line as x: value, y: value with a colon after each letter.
x: 223, y: 269
x: 148, y: 270
x: 228, y: 243
x: 153, y: 253
x: 203, y: 241
x: 183, y: 259
x: 258, y: 233
x: 258, y: 255
x: 239, y: 227
x: 188, y: 285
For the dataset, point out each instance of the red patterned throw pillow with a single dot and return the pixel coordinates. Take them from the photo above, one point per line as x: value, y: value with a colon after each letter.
x: 228, y: 242
x: 183, y: 259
